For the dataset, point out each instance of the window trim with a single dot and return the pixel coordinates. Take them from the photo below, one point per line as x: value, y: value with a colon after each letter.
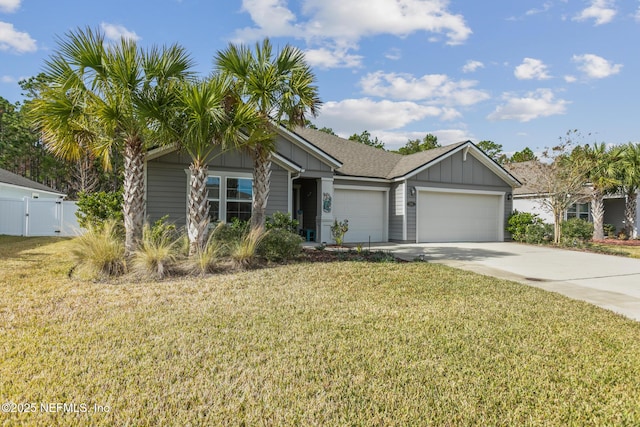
x: 574, y: 209
x: 222, y: 201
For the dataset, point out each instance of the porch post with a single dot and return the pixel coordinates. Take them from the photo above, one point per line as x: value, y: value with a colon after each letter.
x: 324, y: 217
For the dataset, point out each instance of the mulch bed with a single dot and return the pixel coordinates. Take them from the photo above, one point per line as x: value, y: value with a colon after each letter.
x: 334, y: 254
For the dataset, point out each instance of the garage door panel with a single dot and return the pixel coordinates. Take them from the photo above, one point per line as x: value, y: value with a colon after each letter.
x: 365, y: 210
x: 458, y: 217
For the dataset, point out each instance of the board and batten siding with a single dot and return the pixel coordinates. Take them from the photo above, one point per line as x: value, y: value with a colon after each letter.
x: 307, y: 161
x: 452, y: 172
x: 167, y: 186
x: 397, y: 209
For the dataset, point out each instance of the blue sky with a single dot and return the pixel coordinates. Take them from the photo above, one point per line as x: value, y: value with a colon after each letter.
x: 520, y: 73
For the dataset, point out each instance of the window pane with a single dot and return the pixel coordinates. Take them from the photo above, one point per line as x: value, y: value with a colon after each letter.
x: 213, y: 185
x: 240, y: 210
x: 214, y: 210
x: 239, y: 188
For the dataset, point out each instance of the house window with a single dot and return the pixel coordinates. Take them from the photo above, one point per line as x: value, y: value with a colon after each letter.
x: 239, y: 198
x: 579, y: 210
x: 213, y: 186
x: 230, y: 196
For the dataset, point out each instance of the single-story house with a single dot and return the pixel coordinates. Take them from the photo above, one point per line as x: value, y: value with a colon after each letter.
x: 448, y: 194
x: 527, y: 199
x: 16, y: 186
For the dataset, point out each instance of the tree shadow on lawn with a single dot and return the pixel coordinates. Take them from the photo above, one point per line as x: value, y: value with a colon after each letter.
x: 436, y: 253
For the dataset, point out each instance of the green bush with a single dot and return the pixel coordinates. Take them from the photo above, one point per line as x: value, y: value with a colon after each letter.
x: 227, y: 234
x: 576, y: 230
x: 338, y: 230
x: 96, y: 208
x: 609, y: 230
x: 519, y: 223
x: 538, y: 233
x: 279, y: 245
x: 282, y: 221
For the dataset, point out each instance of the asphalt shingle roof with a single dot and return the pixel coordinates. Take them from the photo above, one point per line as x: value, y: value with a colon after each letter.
x: 18, y: 180
x: 527, y: 173
x: 364, y: 161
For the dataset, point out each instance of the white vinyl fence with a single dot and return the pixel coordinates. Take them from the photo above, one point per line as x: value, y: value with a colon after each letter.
x: 38, y: 217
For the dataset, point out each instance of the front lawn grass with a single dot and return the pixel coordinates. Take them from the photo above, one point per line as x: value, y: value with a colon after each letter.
x: 617, y: 249
x: 346, y: 343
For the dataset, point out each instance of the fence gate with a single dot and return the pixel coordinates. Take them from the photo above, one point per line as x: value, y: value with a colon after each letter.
x: 38, y: 217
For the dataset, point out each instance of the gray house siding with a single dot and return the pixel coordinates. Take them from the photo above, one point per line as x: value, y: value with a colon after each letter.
x: 306, y: 160
x: 167, y: 184
x: 397, y: 209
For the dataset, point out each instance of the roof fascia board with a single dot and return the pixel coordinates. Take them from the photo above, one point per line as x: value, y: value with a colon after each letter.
x: 22, y: 187
x: 286, y: 163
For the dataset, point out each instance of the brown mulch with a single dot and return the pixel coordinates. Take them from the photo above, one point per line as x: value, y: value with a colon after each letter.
x: 340, y: 254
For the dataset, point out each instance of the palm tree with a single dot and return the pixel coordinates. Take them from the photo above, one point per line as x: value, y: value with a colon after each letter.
x: 281, y: 89
x: 93, y: 102
x: 601, y: 173
x: 202, y: 123
x: 629, y: 173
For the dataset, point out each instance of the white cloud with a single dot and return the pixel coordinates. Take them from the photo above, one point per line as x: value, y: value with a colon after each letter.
x: 393, y: 54
x: 9, y: 6
x: 570, y: 79
x: 12, y: 40
x: 344, y: 23
x: 531, y: 69
x: 596, y: 67
x: 349, y: 114
x: 336, y: 58
x: 7, y: 79
x: 601, y: 11
x: 116, y: 32
x: 471, y: 66
x: 545, y: 7
x: 540, y: 103
x: 435, y: 88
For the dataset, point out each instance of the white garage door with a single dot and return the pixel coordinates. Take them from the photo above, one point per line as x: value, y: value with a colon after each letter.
x: 459, y: 217
x: 365, y: 210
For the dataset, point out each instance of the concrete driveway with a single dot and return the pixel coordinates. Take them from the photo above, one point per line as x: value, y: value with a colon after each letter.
x: 610, y: 282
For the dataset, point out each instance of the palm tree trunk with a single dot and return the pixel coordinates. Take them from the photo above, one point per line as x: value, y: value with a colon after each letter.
x: 630, y: 212
x: 261, y: 184
x: 198, y: 221
x: 597, y: 212
x: 133, y: 205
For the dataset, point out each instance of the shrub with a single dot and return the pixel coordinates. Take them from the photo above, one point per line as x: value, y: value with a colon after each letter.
x: 576, y: 230
x: 282, y: 221
x: 280, y: 244
x: 609, y: 230
x: 519, y: 223
x: 157, y: 250
x: 100, y: 251
x: 538, y: 233
x: 338, y: 230
x: 230, y: 233
x: 96, y: 208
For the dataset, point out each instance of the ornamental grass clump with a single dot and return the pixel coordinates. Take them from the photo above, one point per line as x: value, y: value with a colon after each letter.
x: 157, y: 252
x: 243, y: 252
x: 99, y: 252
x: 205, y: 259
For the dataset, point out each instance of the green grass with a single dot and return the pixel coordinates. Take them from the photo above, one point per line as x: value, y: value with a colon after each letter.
x: 348, y: 343
x: 629, y: 251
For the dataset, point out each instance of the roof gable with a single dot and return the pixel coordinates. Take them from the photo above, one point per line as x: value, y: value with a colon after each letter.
x: 360, y: 160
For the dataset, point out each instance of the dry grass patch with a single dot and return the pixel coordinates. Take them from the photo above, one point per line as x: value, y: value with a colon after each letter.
x: 350, y: 343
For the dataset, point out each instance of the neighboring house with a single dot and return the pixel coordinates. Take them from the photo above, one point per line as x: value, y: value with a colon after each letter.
x: 16, y: 186
x: 526, y: 199
x: 448, y: 194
